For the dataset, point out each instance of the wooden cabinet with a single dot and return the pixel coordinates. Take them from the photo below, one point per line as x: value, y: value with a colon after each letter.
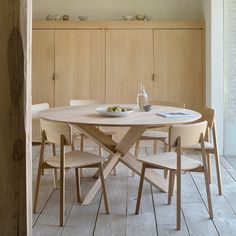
x: 109, y: 60
x: 67, y: 64
x: 178, y: 67
x: 43, y: 67
x: 129, y: 62
x: 78, y: 65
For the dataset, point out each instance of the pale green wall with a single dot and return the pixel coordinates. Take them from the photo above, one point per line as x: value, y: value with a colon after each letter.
x: 115, y: 9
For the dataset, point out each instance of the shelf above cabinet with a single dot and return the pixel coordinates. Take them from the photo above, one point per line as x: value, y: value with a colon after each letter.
x: 119, y: 24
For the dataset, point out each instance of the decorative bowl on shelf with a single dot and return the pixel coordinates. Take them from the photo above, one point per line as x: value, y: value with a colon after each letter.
x: 140, y: 17
x: 65, y: 17
x: 83, y: 18
x: 57, y: 17
x: 128, y: 17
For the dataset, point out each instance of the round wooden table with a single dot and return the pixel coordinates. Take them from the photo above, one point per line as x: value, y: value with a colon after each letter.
x: 87, y: 119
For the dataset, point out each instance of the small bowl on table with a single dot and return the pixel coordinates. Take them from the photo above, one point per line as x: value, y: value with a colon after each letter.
x: 147, y: 107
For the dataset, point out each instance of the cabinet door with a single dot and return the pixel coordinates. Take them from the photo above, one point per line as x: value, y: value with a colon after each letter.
x: 43, y: 66
x: 78, y: 65
x: 178, y: 65
x: 129, y: 62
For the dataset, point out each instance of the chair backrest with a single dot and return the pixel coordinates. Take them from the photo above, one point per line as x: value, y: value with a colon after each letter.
x: 54, y: 130
x: 36, y: 108
x: 208, y: 114
x: 85, y: 102
x: 169, y: 104
x: 189, y: 133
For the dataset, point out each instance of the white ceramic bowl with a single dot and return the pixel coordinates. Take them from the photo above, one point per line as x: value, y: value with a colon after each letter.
x: 82, y: 17
x: 140, y: 17
x: 128, y: 17
x: 103, y: 111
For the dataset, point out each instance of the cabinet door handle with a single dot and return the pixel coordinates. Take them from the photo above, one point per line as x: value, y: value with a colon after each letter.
x: 54, y: 76
x: 153, y: 77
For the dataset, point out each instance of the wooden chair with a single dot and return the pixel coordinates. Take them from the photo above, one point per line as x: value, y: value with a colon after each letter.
x: 35, y: 109
x: 175, y: 162
x: 76, y: 134
x: 60, y: 133
x: 36, y: 132
x: 156, y: 135
x: 208, y: 114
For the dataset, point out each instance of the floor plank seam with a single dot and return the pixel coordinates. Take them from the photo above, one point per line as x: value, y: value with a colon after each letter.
x: 154, y: 210
x: 227, y: 170
x: 186, y: 223
x: 44, y: 205
x: 212, y: 220
x: 126, y: 210
x: 95, y: 223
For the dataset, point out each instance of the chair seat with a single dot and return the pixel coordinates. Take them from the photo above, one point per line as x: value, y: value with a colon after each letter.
x: 168, y: 160
x: 75, y: 159
x: 153, y: 134
x: 198, y: 146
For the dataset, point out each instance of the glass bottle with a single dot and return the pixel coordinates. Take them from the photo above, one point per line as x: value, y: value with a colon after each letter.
x: 142, y: 98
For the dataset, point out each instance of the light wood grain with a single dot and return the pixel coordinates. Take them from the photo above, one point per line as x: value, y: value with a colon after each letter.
x: 43, y: 63
x: 117, y: 24
x: 88, y: 115
x: 179, y: 135
x: 78, y: 65
x: 129, y: 62
x: 178, y: 67
x: 15, y: 121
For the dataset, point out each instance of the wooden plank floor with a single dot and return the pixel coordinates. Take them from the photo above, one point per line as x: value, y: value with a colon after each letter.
x: 156, y: 217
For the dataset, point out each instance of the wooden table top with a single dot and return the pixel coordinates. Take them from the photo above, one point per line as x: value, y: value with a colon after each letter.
x: 88, y: 115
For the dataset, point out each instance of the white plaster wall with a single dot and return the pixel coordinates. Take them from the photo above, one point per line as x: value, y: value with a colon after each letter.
x: 213, y: 13
x: 115, y: 9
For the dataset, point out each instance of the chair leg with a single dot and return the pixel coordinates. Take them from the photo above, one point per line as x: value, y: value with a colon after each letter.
x: 104, y: 189
x: 166, y: 174
x: 217, y: 160
x: 136, y: 153
x: 209, y: 166
x: 178, y: 200
x: 165, y: 170
x: 206, y: 175
x: 37, y: 189
x: 55, y: 178
x: 140, y: 189
x: 165, y: 147
x: 62, y: 196
x: 171, y: 185
x: 155, y: 147
x: 78, y: 188
x: 81, y: 148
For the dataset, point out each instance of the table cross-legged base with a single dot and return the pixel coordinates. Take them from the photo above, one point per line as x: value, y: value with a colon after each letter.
x: 120, y: 152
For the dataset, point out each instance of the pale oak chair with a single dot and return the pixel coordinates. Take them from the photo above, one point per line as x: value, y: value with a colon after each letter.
x: 175, y: 162
x: 35, y: 109
x: 36, y: 132
x: 60, y: 133
x: 76, y: 134
x: 210, y: 143
x: 156, y: 135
